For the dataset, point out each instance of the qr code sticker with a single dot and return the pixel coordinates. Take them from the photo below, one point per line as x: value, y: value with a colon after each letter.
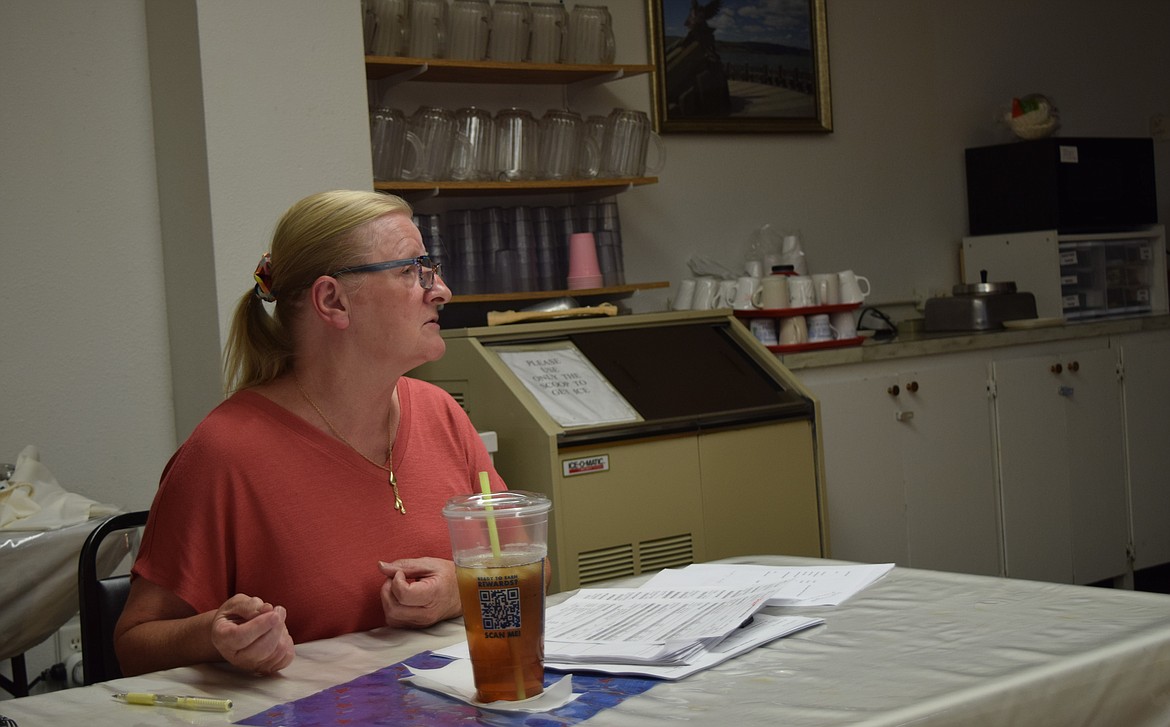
x: 500, y: 608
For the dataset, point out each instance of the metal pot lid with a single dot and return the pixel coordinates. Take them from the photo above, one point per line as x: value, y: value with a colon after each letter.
x: 984, y: 288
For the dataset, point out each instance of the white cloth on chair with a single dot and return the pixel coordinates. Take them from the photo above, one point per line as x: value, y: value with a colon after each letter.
x: 32, y: 499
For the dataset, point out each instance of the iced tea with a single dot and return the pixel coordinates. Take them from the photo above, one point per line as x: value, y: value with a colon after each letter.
x: 503, y: 610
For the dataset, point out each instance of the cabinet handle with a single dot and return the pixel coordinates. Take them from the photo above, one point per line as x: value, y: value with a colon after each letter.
x: 1074, y: 366
x: 1056, y: 368
x: 912, y: 387
x: 893, y: 390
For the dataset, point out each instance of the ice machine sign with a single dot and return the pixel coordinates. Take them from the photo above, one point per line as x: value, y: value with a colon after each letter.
x: 568, y: 386
x: 585, y: 465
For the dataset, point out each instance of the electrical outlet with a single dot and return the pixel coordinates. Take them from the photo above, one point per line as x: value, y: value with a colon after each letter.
x: 69, y: 639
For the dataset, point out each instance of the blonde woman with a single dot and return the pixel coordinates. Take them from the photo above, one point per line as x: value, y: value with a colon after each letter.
x: 308, y: 504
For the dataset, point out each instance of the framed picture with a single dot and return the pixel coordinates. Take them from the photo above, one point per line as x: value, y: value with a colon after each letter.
x: 740, y: 65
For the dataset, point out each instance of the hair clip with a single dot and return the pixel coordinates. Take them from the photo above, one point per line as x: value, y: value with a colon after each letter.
x: 263, y: 277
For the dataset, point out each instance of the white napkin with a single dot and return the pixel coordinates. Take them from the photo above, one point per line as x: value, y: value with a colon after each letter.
x: 31, y: 499
x: 456, y: 680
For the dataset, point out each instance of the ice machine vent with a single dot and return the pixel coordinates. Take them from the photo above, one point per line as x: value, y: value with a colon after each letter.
x: 619, y: 561
x: 606, y: 563
x: 672, y: 552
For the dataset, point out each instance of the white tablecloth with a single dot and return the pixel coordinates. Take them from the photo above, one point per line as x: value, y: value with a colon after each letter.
x: 916, y: 648
x: 38, y: 581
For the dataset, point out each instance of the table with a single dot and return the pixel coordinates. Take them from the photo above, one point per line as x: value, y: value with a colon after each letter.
x: 917, y: 647
x: 38, y: 589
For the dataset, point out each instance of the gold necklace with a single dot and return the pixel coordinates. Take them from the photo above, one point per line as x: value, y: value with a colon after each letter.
x: 398, y: 504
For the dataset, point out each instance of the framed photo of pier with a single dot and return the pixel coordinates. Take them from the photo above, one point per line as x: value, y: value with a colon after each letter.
x: 740, y: 65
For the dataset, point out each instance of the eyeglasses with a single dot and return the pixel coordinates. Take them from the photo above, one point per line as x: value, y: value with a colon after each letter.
x: 427, y: 269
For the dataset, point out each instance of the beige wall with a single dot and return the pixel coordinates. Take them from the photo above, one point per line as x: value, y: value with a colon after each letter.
x: 148, y: 147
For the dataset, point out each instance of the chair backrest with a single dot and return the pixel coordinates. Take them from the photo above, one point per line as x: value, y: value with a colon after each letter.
x: 102, y: 600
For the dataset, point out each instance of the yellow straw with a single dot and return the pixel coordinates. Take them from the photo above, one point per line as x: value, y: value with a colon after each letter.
x: 494, y: 534
x: 486, y: 488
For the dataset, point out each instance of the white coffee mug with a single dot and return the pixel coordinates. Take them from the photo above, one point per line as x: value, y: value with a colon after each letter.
x: 851, y: 287
x: 745, y: 292
x: 820, y: 329
x: 754, y: 268
x: 802, y: 293
x: 706, y: 289
x: 726, y: 295
x: 774, y: 292
x: 845, y: 324
x: 764, y: 329
x: 828, y: 288
x: 685, y: 295
x: 793, y: 330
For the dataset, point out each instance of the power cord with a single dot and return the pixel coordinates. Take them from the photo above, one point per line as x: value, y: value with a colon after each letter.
x: 880, y: 334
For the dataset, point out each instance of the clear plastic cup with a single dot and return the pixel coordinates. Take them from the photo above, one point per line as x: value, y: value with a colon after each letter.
x: 500, y: 542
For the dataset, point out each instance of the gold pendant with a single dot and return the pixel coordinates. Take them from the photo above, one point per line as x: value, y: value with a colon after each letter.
x: 398, y: 505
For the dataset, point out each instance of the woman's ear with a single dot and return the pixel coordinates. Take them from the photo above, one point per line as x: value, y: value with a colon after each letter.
x: 330, y: 301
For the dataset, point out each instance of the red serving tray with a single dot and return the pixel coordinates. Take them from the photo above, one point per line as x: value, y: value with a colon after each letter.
x: 810, y: 310
x: 798, y: 347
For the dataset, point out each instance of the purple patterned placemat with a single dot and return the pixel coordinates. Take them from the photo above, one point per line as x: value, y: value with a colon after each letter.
x: 379, y: 698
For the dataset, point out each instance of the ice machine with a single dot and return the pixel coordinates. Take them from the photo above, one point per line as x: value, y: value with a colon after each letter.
x: 662, y: 439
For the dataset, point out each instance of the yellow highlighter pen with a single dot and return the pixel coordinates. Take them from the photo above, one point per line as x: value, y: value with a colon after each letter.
x: 203, y: 704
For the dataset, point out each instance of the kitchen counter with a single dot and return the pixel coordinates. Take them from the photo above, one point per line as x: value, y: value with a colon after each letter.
x: 910, y: 344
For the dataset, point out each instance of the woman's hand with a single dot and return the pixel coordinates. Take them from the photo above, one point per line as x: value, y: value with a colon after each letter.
x: 251, y: 634
x: 419, y: 592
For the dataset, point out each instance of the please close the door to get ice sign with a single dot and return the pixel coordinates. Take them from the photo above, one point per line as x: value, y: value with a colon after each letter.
x: 568, y: 387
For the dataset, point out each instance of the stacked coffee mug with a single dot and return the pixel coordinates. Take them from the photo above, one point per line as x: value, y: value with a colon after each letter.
x: 472, y: 144
x: 785, y: 294
x: 511, y: 31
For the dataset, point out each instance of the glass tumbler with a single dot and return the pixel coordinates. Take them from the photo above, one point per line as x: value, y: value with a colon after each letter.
x: 428, y: 28
x: 386, y: 23
x: 561, y: 134
x: 517, y: 145
x: 626, y: 145
x: 435, y: 129
x: 390, y: 138
x: 590, y: 35
x: 549, y: 23
x: 511, y: 26
x: 468, y: 27
x: 473, y: 154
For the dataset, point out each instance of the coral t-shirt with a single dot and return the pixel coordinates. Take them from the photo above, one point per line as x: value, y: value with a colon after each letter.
x: 260, y: 501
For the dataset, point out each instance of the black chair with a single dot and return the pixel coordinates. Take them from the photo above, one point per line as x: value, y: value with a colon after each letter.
x: 102, y: 600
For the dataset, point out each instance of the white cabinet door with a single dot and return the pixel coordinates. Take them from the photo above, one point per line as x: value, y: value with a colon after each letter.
x: 909, y: 468
x: 863, y: 468
x: 1146, y: 391
x: 949, y: 468
x: 1061, y: 447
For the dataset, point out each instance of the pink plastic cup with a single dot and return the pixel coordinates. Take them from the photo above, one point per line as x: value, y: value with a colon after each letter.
x: 584, y: 271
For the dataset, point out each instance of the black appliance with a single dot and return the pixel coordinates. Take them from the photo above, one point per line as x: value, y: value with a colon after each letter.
x: 1071, y: 185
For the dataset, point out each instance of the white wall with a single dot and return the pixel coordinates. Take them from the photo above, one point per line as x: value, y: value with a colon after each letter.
x: 914, y: 82
x: 118, y: 285
x: 83, y: 338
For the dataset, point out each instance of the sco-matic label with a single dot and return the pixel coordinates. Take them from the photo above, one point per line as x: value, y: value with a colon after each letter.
x: 585, y: 465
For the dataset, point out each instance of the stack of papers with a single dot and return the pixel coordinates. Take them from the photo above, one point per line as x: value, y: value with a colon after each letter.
x: 648, y: 626
x: 684, y: 621
x: 820, y: 585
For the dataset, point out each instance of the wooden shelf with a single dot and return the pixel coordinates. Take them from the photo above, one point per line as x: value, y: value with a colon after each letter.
x: 613, y: 291
x: 442, y: 70
x: 415, y: 189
